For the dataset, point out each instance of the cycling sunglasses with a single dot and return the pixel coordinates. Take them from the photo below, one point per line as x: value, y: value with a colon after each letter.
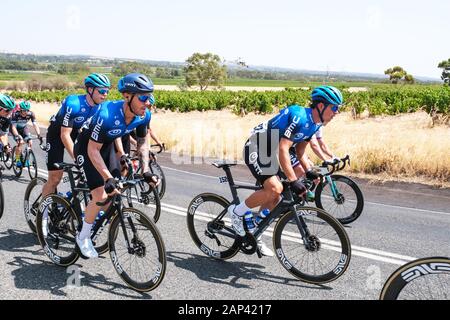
x: 144, y: 98
x: 335, y: 108
x: 103, y: 91
x: 6, y: 110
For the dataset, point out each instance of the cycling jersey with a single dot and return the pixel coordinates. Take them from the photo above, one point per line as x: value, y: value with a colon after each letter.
x: 73, y: 113
x: 5, y: 123
x: 319, y: 133
x: 104, y: 127
x: 294, y: 123
x: 109, y: 124
x: 20, y: 121
x: 260, y: 152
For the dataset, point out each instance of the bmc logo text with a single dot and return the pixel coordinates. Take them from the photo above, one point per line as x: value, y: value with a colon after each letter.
x: 97, y: 129
x: 292, y: 126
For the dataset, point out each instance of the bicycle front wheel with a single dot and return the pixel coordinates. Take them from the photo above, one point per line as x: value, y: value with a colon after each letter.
x: 422, y: 279
x: 32, y: 165
x: 140, y: 257
x: 319, y: 253
x: 209, y: 228
x: 155, y: 168
x: 17, y: 169
x: 32, y: 198
x: 342, y: 198
x: 8, y: 159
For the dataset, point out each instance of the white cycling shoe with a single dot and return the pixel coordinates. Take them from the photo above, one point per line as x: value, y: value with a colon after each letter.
x: 86, y: 247
x: 237, y: 222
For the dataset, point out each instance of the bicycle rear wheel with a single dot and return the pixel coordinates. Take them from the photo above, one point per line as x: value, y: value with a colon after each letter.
x: 32, y: 165
x: 32, y: 198
x: 422, y: 279
x: 59, y: 244
x: 209, y: 228
x: 142, y: 265
x: 347, y: 205
x: 2, y: 200
x: 322, y: 255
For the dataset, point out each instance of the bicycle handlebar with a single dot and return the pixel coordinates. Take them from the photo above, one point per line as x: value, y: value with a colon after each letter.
x: 336, y: 165
x: 122, y: 186
x: 161, y: 147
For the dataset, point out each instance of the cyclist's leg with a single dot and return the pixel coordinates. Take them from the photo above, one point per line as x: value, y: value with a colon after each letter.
x: 55, y: 154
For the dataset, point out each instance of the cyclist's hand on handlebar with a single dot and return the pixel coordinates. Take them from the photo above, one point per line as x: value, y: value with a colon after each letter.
x: 41, y: 140
x: 152, y: 179
x: 297, y: 187
x: 312, y: 175
x: 110, y: 187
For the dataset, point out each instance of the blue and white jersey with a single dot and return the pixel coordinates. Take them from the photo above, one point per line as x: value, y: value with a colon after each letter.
x: 294, y: 123
x: 74, y: 112
x: 109, y: 124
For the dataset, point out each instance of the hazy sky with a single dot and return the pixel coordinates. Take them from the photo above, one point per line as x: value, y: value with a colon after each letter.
x: 357, y: 36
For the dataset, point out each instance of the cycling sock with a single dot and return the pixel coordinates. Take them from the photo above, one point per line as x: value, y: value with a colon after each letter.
x: 241, y: 209
x: 85, y: 231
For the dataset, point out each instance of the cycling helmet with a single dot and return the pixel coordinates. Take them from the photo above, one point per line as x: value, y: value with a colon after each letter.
x: 135, y: 83
x: 328, y: 95
x: 25, y: 105
x: 6, y: 102
x: 97, y: 80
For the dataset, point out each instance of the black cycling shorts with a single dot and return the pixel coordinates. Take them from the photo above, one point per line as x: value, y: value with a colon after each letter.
x: 94, y: 179
x: 261, y: 156
x: 55, y: 147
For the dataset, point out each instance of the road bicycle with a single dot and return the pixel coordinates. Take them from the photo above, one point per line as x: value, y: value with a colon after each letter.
x: 338, y: 195
x: 309, y: 243
x: 27, y: 159
x: 134, y: 243
x: 422, y: 279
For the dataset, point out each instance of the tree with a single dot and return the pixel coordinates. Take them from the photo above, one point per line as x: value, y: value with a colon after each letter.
x: 398, y: 73
x: 205, y: 70
x: 445, y: 65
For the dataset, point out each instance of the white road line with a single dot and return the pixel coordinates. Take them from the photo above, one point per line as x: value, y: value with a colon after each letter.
x: 373, y: 203
x: 368, y: 253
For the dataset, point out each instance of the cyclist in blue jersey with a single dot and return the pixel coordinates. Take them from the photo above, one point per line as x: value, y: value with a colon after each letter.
x: 64, y: 127
x: 7, y: 106
x: 95, y: 152
x: 266, y: 152
x: 19, y: 128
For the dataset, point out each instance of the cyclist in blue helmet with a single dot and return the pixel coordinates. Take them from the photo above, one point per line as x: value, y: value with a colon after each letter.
x: 266, y: 153
x: 65, y: 125
x: 95, y: 152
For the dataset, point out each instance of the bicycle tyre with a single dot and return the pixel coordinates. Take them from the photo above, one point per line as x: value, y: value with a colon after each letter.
x: 411, y: 271
x: 345, y: 217
x: 338, y: 266
x: 155, y: 168
x: 17, y: 170
x: 2, y: 200
x: 7, y: 159
x: 58, y: 205
x: 231, y: 248
x: 153, y: 281
x: 32, y: 163
x: 30, y: 212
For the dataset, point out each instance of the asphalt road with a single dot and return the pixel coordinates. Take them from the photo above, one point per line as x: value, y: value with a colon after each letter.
x: 400, y: 222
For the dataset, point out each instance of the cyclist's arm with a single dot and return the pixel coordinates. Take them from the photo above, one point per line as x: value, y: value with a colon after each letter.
x: 300, y: 152
x: 97, y: 160
x: 325, y: 149
x: 119, y: 147
x: 317, y: 149
x: 35, y: 125
x: 153, y: 136
x: 67, y: 140
x: 285, y: 159
x: 143, y: 149
x: 14, y: 131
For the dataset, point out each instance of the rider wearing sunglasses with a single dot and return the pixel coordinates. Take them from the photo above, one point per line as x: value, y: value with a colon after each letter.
x: 7, y: 105
x: 65, y: 125
x: 94, y: 148
x: 266, y: 153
